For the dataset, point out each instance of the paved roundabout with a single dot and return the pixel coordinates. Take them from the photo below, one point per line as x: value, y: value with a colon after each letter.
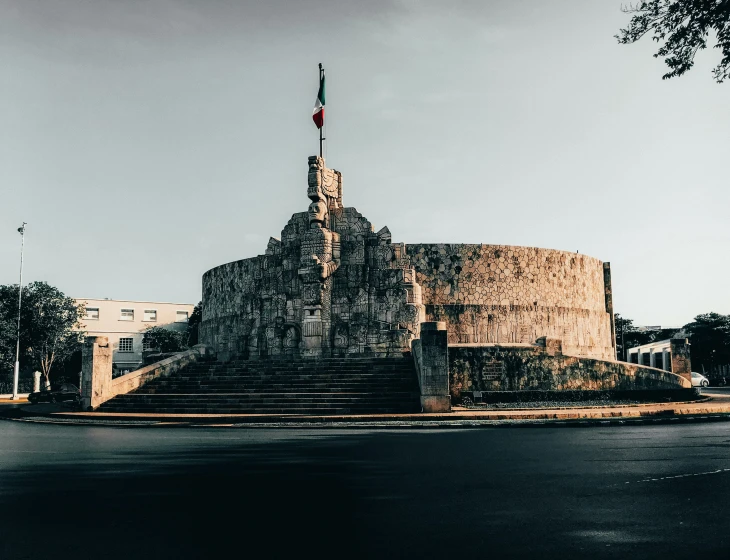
x: 714, y: 405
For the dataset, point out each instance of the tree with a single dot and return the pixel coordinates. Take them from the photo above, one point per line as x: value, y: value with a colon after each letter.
x: 629, y: 336
x: 8, y: 330
x: 683, y: 27
x: 50, y: 328
x: 165, y: 340
x: 194, y: 324
x: 710, y: 341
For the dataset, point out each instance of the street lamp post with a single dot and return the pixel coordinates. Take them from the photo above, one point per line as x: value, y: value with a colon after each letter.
x: 16, y: 373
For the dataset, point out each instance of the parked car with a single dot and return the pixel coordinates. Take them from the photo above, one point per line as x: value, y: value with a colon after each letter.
x: 716, y: 380
x: 65, y: 392
x: 699, y: 380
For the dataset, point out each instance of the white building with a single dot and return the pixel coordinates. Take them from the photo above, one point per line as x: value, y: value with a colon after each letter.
x: 655, y: 354
x: 124, y: 322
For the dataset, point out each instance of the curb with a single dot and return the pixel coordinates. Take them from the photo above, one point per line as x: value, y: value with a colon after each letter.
x: 597, y: 407
x: 547, y: 418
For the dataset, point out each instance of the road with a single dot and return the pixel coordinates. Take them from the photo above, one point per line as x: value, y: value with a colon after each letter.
x: 212, y: 492
x: 722, y: 392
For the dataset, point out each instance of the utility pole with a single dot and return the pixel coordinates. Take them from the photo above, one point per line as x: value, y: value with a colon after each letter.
x: 16, y: 373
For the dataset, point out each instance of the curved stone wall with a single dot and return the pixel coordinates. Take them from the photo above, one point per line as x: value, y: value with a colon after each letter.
x: 522, y: 368
x: 332, y: 286
x: 507, y: 294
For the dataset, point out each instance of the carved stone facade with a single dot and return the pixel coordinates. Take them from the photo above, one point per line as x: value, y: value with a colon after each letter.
x: 331, y: 286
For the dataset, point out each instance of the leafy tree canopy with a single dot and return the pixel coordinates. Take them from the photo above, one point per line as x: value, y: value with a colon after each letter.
x: 50, y: 328
x: 710, y: 337
x: 165, y: 340
x: 629, y: 335
x: 681, y: 27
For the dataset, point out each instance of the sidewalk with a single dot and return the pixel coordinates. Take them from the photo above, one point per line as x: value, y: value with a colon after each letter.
x: 709, y: 408
x: 7, y: 399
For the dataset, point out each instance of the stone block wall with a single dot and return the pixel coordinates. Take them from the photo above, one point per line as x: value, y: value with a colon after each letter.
x: 507, y: 294
x: 527, y: 367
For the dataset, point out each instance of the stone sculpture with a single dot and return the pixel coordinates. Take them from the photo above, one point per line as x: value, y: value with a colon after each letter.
x: 331, y: 286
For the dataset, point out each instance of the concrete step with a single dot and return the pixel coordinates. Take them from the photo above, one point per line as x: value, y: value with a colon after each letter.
x: 327, y: 386
x: 273, y: 391
x: 331, y: 411
x: 261, y: 397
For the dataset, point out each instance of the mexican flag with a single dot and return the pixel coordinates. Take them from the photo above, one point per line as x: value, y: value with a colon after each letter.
x: 318, y: 111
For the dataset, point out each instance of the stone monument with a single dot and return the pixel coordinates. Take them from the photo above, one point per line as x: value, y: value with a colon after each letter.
x: 331, y: 286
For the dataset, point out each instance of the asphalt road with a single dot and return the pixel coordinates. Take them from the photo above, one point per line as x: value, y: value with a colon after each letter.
x: 135, y: 493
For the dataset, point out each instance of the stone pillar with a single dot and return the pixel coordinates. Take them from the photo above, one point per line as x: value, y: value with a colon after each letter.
x: 36, y: 381
x: 681, y: 363
x: 96, y: 372
x: 608, y: 291
x: 434, y: 367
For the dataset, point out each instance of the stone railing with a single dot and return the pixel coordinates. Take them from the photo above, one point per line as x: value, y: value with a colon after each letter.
x: 504, y: 367
x: 98, y: 385
x: 445, y: 370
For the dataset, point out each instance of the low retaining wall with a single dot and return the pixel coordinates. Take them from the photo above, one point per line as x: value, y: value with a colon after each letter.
x: 135, y: 379
x: 98, y: 385
x: 536, y: 368
x: 589, y: 398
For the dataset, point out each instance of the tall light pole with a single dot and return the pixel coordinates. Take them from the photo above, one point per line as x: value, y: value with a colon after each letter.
x: 21, y: 230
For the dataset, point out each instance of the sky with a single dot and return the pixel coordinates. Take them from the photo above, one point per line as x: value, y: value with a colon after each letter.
x: 147, y: 141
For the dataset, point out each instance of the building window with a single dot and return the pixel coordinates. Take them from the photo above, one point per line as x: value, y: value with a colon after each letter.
x: 658, y: 361
x: 125, y: 344
x: 150, y: 315
x: 92, y: 314
x: 127, y: 315
x: 181, y: 317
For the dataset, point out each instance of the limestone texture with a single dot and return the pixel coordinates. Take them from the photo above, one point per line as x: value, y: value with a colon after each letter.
x: 332, y: 286
x: 523, y: 368
x: 507, y: 294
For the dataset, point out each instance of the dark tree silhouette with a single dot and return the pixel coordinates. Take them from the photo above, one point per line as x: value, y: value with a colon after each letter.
x: 682, y: 27
x: 194, y: 324
x: 165, y: 340
x: 710, y: 338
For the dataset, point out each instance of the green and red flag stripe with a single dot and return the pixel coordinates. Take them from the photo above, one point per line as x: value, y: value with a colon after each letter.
x: 318, y: 112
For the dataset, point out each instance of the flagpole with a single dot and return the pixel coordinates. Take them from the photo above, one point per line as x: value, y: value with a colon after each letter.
x: 321, y: 139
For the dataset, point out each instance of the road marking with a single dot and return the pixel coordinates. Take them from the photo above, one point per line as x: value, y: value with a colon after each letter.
x: 718, y: 471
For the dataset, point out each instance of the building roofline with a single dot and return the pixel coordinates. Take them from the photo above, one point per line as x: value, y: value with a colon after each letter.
x: 134, y: 301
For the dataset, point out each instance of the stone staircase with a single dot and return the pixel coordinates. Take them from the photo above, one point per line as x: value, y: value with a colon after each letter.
x: 330, y: 386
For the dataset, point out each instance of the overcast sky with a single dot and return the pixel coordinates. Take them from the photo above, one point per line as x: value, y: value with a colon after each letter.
x: 147, y: 141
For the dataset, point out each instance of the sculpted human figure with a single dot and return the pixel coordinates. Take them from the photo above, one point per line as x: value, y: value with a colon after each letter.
x: 324, y: 184
x: 320, y: 246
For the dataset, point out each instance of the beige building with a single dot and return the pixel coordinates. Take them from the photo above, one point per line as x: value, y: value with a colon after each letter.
x: 124, y: 323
